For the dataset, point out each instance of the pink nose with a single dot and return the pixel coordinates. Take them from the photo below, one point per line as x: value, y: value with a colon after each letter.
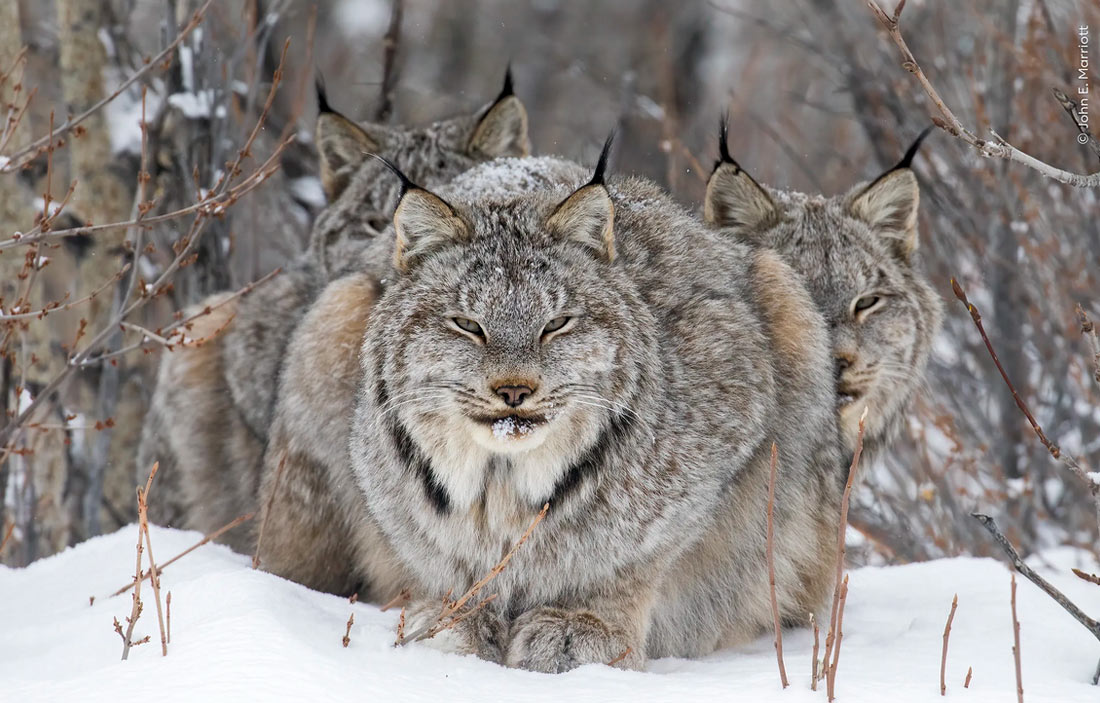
x: 513, y: 395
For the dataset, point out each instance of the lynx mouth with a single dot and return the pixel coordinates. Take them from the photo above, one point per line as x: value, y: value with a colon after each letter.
x: 846, y: 395
x: 512, y: 426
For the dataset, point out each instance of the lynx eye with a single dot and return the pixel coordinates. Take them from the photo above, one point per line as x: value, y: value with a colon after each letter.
x: 864, y: 303
x: 467, y: 325
x: 556, y: 325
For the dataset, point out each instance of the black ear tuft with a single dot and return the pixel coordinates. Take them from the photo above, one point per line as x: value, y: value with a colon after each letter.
x: 406, y: 183
x: 507, y: 89
x: 907, y: 160
x: 723, y: 141
x: 601, y: 165
x: 322, y: 98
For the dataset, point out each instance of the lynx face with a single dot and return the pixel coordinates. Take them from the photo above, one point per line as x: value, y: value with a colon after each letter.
x: 361, y: 193
x: 520, y: 342
x: 857, y: 254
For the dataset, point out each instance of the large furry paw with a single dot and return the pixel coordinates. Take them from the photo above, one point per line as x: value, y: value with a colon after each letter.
x: 554, y: 640
x: 484, y: 633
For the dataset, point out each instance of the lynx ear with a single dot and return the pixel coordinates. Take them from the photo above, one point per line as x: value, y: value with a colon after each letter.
x: 342, y: 145
x: 422, y: 222
x: 889, y: 205
x: 733, y: 198
x: 502, y: 130
x: 588, y: 215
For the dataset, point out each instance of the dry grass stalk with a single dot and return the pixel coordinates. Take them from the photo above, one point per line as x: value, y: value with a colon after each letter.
x: 154, y: 578
x: 625, y: 653
x: 1016, y: 645
x: 267, y: 510
x: 347, y: 632
x: 840, y: 548
x: 401, y: 599
x: 771, y: 568
x: 969, y: 675
x: 451, y: 614
x: 813, y: 660
x: 212, y: 536
x: 946, y: 635
x: 831, y: 668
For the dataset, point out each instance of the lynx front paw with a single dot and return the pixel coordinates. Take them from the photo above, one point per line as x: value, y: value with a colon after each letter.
x: 484, y: 633
x: 553, y: 640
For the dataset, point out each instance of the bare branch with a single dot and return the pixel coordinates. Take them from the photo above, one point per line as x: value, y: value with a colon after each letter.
x: 390, y: 44
x: 991, y: 526
x: 31, y: 151
x: 996, y: 147
x: 1055, y: 451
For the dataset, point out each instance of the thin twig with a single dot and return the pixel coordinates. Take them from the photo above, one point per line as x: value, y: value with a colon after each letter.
x: 400, y: 628
x: 946, y: 635
x: 1091, y: 578
x: 347, y: 632
x: 7, y: 536
x: 995, y: 147
x: 400, y: 599
x: 154, y: 579
x: 135, y: 610
x: 1074, y: 111
x: 208, y: 538
x: 390, y: 44
x: 1016, y: 645
x: 813, y: 659
x: 771, y: 568
x: 991, y: 526
x: 267, y: 509
x: 969, y: 675
x: 168, y: 615
x: 450, y: 615
x: 840, y: 548
x: 625, y: 653
x: 1088, y: 331
x: 830, y: 678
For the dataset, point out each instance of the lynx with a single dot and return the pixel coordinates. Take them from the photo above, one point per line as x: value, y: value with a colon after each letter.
x: 857, y: 253
x: 594, y: 347
x: 209, y: 417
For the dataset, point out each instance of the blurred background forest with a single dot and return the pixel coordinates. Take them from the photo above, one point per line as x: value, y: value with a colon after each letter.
x: 817, y: 99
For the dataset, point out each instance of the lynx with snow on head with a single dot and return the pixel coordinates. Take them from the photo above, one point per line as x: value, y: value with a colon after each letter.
x: 211, y: 410
x: 594, y: 347
x: 857, y: 253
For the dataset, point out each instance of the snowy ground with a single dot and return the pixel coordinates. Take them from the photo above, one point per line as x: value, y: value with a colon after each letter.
x: 238, y: 634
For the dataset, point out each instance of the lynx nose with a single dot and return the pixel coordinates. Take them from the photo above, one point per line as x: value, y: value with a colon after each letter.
x: 513, y: 395
x: 841, y: 365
